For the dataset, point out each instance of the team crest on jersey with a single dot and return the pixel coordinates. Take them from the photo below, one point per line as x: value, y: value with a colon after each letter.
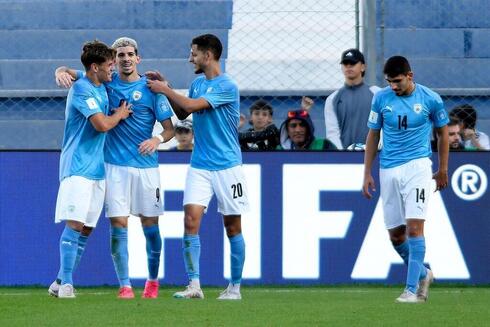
x: 417, y: 108
x: 137, y: 95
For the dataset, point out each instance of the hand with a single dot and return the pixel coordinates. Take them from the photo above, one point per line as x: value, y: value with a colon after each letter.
x: 149, y: 146
x: 124, y: 110
x: 368, y: 184
x: 64, y: 80
x: 154, y: 75
x: 157, y: 86
x: 307, y: 103
x: 469, y: 134
x: 242, y: 122
x: 441, y: 179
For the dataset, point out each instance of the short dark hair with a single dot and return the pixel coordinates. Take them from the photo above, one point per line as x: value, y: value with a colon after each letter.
x: 96, y: 52
x: 466, y: 114
x: 396, y: 65
x: 453, y: 121
x: 261, y: 105
x: 209, y: 42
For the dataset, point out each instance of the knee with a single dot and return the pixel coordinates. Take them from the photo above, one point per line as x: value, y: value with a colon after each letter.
x: 191, y: 224
x: 86, y: 231
x: 415, y: 228
x: 233, y: 227
x: 397, y: 239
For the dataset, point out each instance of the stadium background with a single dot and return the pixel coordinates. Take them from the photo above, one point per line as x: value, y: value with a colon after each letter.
x: 275, y: 50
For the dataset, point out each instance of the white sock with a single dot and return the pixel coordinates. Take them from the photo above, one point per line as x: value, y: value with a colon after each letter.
x: 235, y: 287
x: 195, y: 283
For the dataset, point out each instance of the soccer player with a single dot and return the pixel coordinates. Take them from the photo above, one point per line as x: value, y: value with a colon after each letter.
x: 82, y: 185
x: 406, y: 111
x: 131, y: 160
x: 215, y: 163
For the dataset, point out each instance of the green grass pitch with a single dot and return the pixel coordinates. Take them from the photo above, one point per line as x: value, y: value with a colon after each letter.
x: 261, y: 306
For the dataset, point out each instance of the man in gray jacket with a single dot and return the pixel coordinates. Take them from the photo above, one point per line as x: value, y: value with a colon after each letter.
x: 347, y: 109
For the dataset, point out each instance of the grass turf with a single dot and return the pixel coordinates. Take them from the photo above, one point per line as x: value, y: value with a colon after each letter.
x: 261, y: 306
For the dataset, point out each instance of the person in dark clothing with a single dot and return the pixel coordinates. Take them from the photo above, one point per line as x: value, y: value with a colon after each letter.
x: 298, y: 133
x: 263, y: 135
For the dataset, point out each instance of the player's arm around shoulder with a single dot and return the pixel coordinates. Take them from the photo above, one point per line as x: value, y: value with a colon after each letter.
x: 184, y: 105
x: 65, y: 77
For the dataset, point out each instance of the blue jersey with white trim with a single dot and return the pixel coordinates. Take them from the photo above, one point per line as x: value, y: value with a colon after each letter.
x: 82, y: 152
x: 216, y: 145
x: 122, y: 141
x: 407, y: 123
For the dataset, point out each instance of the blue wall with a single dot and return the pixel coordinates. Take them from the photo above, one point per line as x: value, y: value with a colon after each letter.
x: 445, y: 41
x: 43, y: 35
x: 29, y: 238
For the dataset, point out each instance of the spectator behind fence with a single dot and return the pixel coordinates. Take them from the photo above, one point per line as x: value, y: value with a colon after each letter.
x: 263, y: 135
x: 298, y: 133
x: 347, y: 109
x: 453, y: 129
x: 184, y: 135
x: 472, y: 138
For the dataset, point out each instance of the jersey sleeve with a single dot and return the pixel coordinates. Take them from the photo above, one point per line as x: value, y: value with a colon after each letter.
x: 438, y: 112
x: 162, y: 107
x: 85, y: 102
x: 221, y: 94
x: 80, y: 74
x: 375, y: 120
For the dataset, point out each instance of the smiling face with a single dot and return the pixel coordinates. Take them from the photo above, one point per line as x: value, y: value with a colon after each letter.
x: 126, y: 60
x: 104, y: 70
x: 199, y: 59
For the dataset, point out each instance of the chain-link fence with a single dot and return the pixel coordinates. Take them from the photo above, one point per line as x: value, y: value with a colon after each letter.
x: 277, y: 51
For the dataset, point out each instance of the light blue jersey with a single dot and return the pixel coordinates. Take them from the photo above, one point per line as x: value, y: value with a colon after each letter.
x: 122, y: 142
x: 216, y: 144
x: 82, y: 151
x: 406, y: 122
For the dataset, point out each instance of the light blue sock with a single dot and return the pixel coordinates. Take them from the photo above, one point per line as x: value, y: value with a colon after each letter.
x: 153, y: 249
x: 403, y: 250
x: 415, y: 262
x: 82, y: 241
x: 68, y: 254
x: 191, y: 249
x: 119, y: 250
x: 237, y: 247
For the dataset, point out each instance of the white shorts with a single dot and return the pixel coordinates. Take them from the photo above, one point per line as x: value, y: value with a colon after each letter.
x: 405, y: 191
x: 80, y: 199
x: 228, y: 184
x: 134, y: 191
